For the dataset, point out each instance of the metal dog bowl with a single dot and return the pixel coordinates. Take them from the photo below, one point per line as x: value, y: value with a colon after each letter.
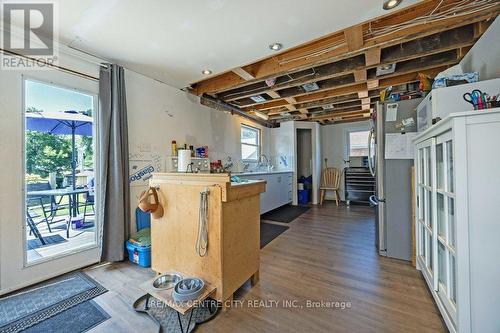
x: 166, y: 281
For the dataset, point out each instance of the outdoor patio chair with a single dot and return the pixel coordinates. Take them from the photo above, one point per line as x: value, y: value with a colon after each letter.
x: 45, y: 203
x: 89, y: 200
x: 32, y: 225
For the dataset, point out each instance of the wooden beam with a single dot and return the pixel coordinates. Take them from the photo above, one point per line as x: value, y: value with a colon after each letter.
x: 243, y: 74
x: 366, y: 101
x: 273, y: 94
x: 365, y: 107
x: 290, y: 100
x: 363, y: 94
x: 372, y: 84
x: 360, y: 75
x: 303, y: 111
x: 372, y: 56
x: 421, y: 51
x: 331, y: 47
x: 354, y: 37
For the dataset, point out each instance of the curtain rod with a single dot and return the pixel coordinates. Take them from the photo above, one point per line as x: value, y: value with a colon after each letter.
x: 65, y: 69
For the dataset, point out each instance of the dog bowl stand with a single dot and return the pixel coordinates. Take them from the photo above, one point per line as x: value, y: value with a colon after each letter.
x: 181, y: 308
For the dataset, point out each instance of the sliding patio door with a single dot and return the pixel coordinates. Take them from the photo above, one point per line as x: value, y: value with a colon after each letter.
x: 49, y: 222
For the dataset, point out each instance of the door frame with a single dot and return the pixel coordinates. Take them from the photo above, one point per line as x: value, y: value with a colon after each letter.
x: 15, y: 271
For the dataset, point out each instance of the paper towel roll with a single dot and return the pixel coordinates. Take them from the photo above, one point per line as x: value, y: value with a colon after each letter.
x: 184, y: 159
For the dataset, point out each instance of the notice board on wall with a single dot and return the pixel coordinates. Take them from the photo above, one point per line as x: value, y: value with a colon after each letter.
x: 399, y: 146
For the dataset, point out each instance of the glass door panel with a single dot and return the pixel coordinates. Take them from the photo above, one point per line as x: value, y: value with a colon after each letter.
x: 428, y: 166
x: 441, y: 218
x: 451, y: 222
x: 453, y: 279
x: 440, y: 166
x: 442, y: 278
x: 60, y: 141
x: 449, y: 163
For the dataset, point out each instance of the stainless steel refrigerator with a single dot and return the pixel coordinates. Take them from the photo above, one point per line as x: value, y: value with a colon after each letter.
x: 393, y: 179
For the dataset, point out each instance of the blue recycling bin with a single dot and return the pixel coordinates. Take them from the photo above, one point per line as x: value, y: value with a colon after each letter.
x: 303, y: 197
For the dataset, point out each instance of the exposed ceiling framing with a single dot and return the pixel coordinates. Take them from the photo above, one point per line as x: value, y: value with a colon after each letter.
x: 342, y: 67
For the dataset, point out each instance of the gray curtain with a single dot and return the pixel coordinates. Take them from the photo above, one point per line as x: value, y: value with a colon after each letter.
x: 113, y: 163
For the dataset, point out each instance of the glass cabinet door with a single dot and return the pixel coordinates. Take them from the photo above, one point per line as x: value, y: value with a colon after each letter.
x: 425, y: 207
x: 446, y: 240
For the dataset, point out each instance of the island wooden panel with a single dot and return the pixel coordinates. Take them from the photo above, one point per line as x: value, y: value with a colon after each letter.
x: 233, y: 229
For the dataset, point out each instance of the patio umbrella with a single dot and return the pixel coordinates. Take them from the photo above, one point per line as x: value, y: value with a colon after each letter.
x: 67, y: 123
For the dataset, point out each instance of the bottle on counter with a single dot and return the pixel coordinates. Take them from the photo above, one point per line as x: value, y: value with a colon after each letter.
x: 174, y: 148
x: 192, y: 150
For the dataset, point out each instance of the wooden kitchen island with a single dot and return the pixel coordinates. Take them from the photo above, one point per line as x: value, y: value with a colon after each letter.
x: 233, y: 230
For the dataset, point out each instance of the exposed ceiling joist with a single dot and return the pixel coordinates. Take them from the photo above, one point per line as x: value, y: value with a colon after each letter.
x: 247, y: 76
x: 338, y: 73
x: 354, y: 37
x: 334, y: 45
x: 372, y: 56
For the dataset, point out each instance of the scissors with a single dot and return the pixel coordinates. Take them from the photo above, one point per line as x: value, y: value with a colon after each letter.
x: 475, y: 98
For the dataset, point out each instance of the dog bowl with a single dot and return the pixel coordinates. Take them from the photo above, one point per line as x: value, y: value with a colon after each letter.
x: 188, y: 289
x: 166, y: 281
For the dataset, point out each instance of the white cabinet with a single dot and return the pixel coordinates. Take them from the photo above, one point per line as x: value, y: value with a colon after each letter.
x: 278, y: 190
x: 457, y: 230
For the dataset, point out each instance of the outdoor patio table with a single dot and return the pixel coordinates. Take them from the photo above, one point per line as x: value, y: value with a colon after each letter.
x: 61, y: 192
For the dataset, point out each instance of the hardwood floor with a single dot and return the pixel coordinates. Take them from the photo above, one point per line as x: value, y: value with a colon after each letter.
x: 328, y: 254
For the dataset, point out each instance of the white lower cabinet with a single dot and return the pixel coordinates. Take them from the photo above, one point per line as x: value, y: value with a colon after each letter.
x: 278, y: 190
x: 458, y: 225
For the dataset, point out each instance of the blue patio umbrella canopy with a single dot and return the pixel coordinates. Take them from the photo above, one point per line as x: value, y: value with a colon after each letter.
x: 64, y: 123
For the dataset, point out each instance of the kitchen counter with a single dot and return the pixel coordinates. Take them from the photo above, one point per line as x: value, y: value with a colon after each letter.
x: 253, y: 173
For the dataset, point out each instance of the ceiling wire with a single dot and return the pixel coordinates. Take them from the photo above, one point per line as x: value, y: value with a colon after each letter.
x: 460, y: 9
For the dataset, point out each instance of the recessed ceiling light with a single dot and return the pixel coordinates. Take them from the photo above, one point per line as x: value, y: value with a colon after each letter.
x: 390, y: 4
x: 206, y: 72
x: 275, y: 46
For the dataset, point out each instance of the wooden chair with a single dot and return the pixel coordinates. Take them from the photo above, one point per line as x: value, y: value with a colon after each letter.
x: 330, y: 180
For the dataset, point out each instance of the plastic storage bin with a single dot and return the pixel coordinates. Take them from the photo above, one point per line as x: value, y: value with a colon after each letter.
x: 141, y: 255
x: 303, y: 197
x: 137, y: 254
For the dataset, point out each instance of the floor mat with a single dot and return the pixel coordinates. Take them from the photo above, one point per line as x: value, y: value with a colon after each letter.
x: 49, y: 240
x: 269, y: 231
x: 285, y: 214
x: 78, y: 319
x: 33, y: 305
x: 168, y: 319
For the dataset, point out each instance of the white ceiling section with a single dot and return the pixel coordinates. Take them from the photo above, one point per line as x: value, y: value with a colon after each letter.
x: 173, y: 41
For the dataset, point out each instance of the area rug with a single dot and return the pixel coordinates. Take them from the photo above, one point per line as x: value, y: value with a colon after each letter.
x: 285, y: 214
x: 167, y: 318
x: 49, y: 240
x: 78, y: 319
x: 33, y: 305
x: 269, y: 231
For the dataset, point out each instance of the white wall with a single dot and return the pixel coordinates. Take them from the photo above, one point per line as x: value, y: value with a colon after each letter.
x: 158, y: 114
x: 334, y: 140
x: 484, y: 57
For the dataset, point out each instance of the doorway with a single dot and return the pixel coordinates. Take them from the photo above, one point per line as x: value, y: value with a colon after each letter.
x: 304, y: 165
x: 52, y: 220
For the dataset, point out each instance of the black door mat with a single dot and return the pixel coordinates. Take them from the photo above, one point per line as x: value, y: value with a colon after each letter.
x: 285, y: 214
x: 169, y: 320
x: 33, y: 305
x: 269, y: 231
x: 78, y: 319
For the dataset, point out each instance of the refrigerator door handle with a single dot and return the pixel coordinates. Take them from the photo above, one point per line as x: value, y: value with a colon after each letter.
x: 370, y: 161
